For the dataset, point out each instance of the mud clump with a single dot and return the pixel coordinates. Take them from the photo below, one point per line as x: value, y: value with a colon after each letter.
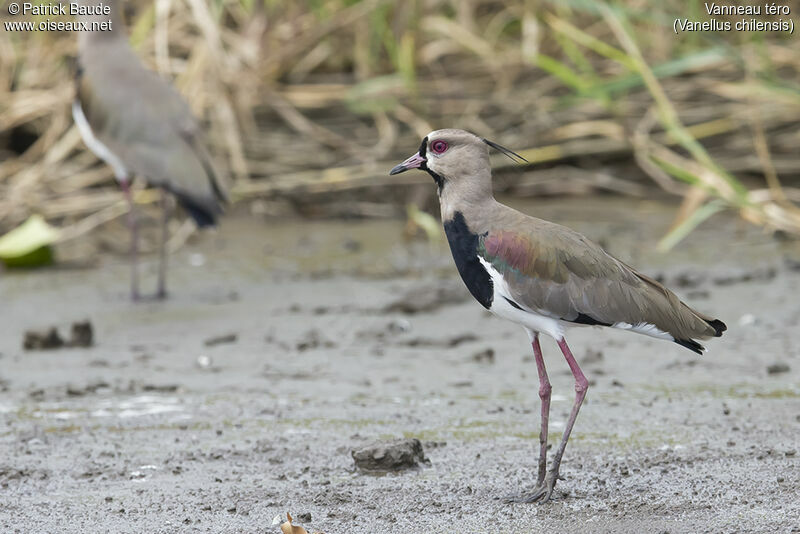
x: 444, y: 343
x: 395, y: 455
x: 484, y: 356
x: 94, y: 387
x: 428, y: 299
x: 81, y: 335
x: 221, y: 340
x: 732, y: 276
x: 314, y: 339
x: 43, y: 339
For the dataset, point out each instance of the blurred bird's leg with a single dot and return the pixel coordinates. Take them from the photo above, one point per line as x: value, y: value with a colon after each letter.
x: 126, y: 189
x: 162, y: 266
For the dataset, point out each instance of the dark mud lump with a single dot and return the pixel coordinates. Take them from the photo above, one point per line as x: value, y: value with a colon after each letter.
x: 390, y: 456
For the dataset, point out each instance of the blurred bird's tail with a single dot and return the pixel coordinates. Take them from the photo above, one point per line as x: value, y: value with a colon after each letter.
x: 205, y: 214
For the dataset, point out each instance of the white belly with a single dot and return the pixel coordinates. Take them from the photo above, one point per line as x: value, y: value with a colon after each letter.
x: 528, y: 318
x: 539, y: 322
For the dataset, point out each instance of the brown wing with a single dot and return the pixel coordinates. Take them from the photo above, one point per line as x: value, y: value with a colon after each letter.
x: 560, y: 273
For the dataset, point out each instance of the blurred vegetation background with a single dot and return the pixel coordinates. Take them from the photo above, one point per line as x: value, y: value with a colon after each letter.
x: 308, y: 104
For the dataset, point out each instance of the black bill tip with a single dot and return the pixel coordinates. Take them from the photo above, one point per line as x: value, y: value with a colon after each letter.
x: 416, y: 161
x: 397, y: 170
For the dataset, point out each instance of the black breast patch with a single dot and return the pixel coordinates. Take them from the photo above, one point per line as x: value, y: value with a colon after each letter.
x: 464, y: 246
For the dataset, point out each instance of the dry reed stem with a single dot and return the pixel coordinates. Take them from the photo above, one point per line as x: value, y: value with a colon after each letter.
x: 278, y: 77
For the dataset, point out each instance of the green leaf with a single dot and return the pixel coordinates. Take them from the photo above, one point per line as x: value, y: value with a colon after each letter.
x: 28, y: 245
x: 561, y: 71
x: 426, y: 221
x: 376, y: 94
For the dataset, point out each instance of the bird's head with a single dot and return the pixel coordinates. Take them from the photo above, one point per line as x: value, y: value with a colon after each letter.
x: 454, y: 157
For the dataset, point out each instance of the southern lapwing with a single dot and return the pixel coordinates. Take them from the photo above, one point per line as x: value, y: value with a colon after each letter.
x: 543, y: 276
x: 139, y: 125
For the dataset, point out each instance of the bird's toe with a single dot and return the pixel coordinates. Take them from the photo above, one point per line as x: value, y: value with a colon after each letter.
x: 540, y: 495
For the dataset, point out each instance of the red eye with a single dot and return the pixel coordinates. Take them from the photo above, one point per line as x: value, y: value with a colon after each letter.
x: 439, y: 146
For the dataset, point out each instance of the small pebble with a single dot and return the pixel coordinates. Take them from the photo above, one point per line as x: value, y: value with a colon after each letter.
x: 351, y: 245
x: 485, y: 356
x: 747, y: 319
x: 399, y: 326
x: 197, y: 260
x: 221, y: 340
x: 777, y: 368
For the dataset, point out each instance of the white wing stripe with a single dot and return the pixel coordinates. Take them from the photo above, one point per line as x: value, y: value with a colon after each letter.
x: 646, y: 329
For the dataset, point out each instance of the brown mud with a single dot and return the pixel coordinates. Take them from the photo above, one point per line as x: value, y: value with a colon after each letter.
x: 285, y: 346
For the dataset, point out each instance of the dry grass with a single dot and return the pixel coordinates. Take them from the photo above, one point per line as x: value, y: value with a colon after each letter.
x: 304, y: 99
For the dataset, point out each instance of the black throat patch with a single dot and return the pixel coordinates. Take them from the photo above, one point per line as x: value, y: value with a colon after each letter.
x: 464, y: 246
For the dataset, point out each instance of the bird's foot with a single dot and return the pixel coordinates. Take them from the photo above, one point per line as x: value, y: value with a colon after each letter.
x: 540, y: 494
x: 161, y: 295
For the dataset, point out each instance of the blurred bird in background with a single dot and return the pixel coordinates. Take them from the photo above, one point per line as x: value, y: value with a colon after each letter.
x: 139, y: 125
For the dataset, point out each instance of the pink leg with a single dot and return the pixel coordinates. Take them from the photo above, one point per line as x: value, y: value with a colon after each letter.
x: 126, y: 189
x: 581, y: 385
x: 544, y: 490
x: 544, y: 395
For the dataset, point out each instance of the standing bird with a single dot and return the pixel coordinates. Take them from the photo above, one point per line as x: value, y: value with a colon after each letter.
x: 139, y: 125
x: 541, y: 275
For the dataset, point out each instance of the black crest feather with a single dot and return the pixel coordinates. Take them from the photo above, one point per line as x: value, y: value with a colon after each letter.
x: 513, y: 156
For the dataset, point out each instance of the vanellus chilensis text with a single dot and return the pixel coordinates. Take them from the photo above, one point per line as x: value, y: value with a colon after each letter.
x: 139, y: 125
x: 541, y: 275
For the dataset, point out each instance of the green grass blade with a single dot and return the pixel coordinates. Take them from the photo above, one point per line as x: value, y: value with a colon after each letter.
x: 677, y: 234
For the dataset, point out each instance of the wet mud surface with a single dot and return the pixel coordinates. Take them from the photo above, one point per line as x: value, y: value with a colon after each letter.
x: 284, y: 347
